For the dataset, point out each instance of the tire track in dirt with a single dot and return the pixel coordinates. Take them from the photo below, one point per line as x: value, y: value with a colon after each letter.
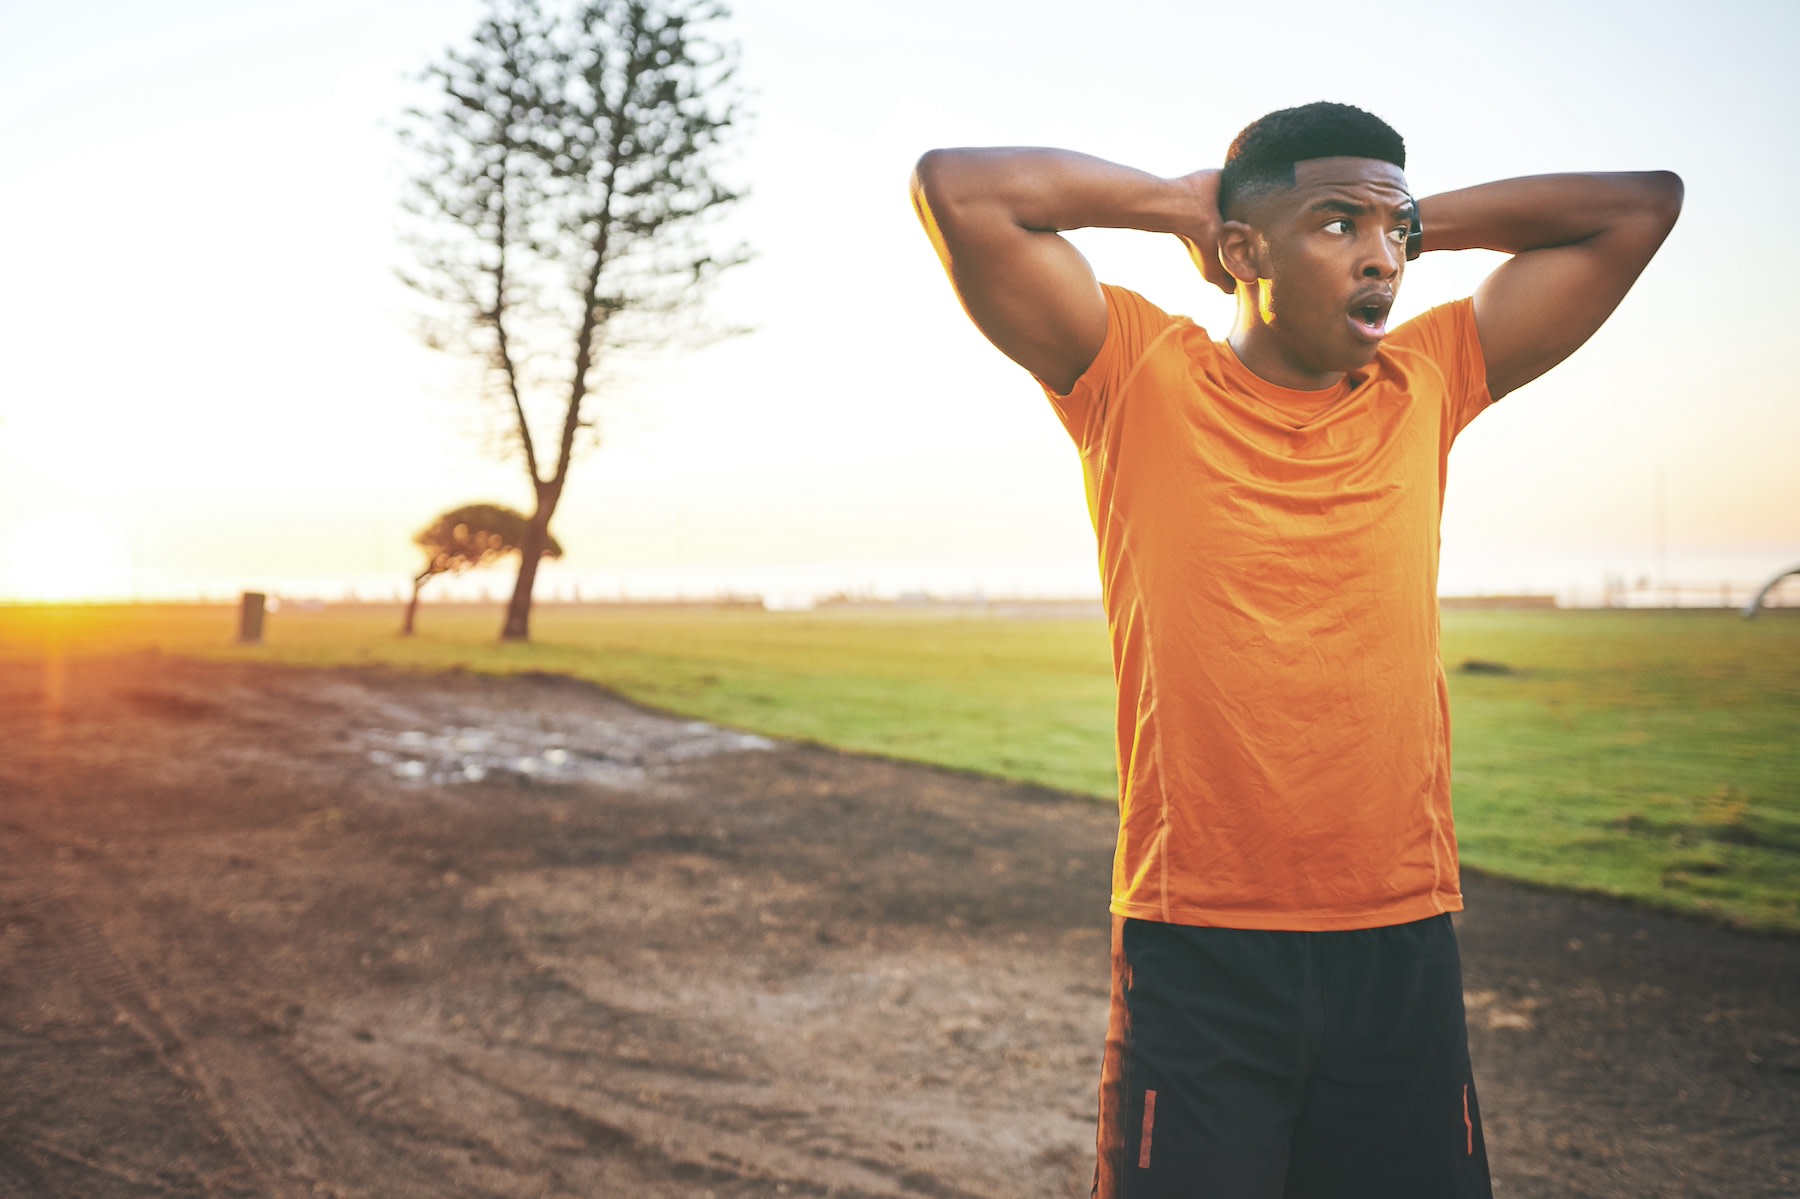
x: 65, y: 989
x: 700, y: 1144
x: 289, y: 1130
x: 17, y: 1175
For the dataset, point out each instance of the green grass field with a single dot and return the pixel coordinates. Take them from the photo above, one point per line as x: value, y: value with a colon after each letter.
x: 1648, y: 755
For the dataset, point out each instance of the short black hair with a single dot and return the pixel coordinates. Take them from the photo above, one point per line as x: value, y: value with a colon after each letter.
x: 1262, y: 157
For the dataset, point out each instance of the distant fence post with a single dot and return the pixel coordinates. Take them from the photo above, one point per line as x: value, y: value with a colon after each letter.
x: 250, y: 619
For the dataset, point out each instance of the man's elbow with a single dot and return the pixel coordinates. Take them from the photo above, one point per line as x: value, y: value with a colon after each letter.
x: 934, y: 177
x: 951, y: 193
x: 1663, y: 192
x: 1643, y: 211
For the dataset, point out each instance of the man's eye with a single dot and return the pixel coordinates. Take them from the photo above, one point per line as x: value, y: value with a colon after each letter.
x: 1341, y: 225
x: 1400, y: 233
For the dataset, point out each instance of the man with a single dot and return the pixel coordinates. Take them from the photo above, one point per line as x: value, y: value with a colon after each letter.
x: 1287, y: 1011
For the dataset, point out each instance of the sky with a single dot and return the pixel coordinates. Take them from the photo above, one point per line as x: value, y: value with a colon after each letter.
x: 211, y: 379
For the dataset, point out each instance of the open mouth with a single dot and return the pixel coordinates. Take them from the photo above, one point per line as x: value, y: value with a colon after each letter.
x: 1368, y: 316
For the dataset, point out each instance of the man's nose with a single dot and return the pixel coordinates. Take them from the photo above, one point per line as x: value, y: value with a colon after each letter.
x: 1382, y: 260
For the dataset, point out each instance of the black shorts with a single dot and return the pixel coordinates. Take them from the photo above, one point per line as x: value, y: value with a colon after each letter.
x: 1288, y: 1065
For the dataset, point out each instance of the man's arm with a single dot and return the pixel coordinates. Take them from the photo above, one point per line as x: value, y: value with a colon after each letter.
x: 995, y: 216
x: 1578, y: 243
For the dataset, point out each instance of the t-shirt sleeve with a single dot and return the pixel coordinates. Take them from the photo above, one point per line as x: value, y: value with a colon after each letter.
x: 1447, y: 335
x: 1132, y: 324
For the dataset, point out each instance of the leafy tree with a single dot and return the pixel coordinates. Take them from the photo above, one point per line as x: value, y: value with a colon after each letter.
x: 561, y: 207
x: 464, y: 538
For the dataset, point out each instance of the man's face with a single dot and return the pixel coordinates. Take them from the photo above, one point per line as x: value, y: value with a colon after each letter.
x: 1336, y: 248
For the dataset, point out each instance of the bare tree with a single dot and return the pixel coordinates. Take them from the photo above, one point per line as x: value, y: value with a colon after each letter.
x: 465, y: 538
x: 565, y: 179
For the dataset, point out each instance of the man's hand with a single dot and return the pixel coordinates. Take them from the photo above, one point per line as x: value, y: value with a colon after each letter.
x: 1202, y: 241
x: 1578, y: 243
x: 995, y: 218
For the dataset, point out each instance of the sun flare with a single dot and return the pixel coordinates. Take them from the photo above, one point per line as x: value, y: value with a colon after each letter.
x: 62, y: 556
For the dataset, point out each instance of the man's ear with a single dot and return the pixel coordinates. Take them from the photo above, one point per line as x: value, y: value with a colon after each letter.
x: 1242, y: 250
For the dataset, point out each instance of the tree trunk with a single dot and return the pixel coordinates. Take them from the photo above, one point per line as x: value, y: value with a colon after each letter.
x: 531, y: 552
x: 412, y: 606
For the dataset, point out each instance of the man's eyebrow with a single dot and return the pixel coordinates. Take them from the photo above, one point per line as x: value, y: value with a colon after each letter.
x: 1356, y: 208
x: 1346, y: 207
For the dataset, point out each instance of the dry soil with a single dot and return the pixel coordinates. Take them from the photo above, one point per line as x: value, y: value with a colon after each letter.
x: 276, y: 932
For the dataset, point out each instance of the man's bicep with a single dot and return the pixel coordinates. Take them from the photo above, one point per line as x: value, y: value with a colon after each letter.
x: 1030, y: 292
x: 1039, y: 303
x: 1540, y: 306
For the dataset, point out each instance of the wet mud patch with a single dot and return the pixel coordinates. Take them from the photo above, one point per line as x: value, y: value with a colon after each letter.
x: 619, y: 753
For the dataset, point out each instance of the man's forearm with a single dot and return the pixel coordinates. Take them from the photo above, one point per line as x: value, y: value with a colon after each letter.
x: 1545, y: 211
x: 1049, y: 191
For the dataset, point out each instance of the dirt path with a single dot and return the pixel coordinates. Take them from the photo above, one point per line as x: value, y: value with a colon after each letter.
x: 288, y: 933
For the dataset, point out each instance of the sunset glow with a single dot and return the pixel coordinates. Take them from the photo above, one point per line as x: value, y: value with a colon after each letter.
x: 250, y: 408
x: 68, y: 555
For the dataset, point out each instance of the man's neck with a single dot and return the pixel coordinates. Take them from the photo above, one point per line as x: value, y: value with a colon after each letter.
x: 1259, y: 349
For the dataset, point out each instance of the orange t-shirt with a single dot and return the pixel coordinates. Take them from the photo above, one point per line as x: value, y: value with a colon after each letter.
x: 1269, y: 561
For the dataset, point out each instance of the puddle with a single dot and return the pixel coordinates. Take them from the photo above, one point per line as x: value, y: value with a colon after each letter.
x: 612, y: 753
